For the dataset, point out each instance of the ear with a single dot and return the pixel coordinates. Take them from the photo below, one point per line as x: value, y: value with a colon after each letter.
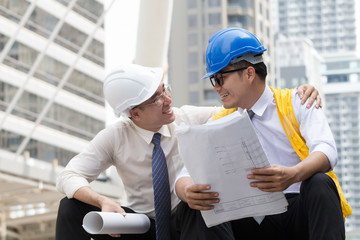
x: 134, y: 113
x: 250, y: 74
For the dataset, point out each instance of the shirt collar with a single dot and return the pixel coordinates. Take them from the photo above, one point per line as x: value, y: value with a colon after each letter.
x: 260, y: 106
x: 148, y: 135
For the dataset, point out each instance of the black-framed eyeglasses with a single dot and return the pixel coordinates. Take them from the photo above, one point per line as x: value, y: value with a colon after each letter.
x: 219, y: 79
x: 160, y: 99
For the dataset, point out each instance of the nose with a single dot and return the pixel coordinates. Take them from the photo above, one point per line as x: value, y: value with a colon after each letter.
x: 167, y: 99
x: 217, y: 87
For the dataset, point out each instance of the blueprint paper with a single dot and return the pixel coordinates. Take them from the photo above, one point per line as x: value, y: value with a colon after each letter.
x: 115, y: 223
x: 222, y: 153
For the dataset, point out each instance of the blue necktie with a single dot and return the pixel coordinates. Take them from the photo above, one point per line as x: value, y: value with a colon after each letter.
x: 162, y: 199
x: 251, y: 114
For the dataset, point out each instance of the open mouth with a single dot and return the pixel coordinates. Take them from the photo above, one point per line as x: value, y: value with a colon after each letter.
x: 223, y: 95
x: 168, y: 111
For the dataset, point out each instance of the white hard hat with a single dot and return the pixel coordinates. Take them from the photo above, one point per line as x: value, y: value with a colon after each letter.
x: 129, y: 85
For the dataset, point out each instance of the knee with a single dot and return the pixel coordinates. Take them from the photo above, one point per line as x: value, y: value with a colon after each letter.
x: 67, y: 208
x: 319, y: 185
x: 73, y: 209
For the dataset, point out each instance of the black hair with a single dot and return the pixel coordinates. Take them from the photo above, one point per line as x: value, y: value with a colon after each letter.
x: 260, y: 68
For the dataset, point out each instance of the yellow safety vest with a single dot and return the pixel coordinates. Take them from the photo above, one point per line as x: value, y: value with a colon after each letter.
x: 291, y: 128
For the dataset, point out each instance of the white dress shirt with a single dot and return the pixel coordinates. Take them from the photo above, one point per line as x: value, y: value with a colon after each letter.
x: 129, y: 148
x: 313, y: 127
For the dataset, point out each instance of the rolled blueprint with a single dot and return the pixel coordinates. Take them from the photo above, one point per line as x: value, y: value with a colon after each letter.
x: 115, y: 223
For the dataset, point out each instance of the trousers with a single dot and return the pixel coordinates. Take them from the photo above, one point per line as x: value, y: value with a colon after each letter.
x: 186, y: 224
x: 313, y: 214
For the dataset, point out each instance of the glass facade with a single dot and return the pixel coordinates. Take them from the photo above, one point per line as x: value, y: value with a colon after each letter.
x: 51, y: 101
x: 21, y: 57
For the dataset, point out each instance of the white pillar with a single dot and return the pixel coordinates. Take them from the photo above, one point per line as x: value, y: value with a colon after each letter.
x: 153, y: 32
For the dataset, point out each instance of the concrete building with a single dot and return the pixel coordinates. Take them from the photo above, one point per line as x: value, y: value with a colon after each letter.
x: 342, y: 96
x: 331, y: 25
x: 51, y: 104
x: 193, y: 23
x: 297, y: 62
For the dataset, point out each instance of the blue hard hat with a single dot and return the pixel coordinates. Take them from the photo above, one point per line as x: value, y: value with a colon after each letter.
x: 229, y: 44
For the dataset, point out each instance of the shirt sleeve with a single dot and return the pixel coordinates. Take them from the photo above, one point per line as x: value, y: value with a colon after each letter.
x: 87, y: 165
x: 195, y: 115
x: 183, y: 173
x: 315, y: 129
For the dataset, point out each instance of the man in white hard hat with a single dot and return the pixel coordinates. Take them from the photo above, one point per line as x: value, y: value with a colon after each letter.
x: 139, y: 93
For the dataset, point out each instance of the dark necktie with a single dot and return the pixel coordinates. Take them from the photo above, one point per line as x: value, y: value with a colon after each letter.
x: 251, y: 114
x: 162, y: 199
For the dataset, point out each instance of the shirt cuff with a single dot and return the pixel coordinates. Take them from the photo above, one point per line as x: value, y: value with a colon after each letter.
x: 330, y: 153
x: 73, y: 185
x: 183, y: 173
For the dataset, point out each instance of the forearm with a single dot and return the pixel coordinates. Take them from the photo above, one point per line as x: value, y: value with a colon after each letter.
x: 89, y: 196
x: 278, y: 178
x: 314, y: 163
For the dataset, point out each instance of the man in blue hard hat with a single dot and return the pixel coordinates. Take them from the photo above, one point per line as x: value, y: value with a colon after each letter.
x: 297, y: 141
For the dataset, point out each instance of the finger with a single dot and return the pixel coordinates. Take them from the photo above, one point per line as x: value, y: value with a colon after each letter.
x: 202, y: 196
x: 115, y: 235
x: 318, y: 102
x: 310, y: 101
x: 300, y: 91
x: 265, y: 186
x: 201, y: 207
x: 269, y: 189
x: 307, y: 93
x: 207, y: 202
x: 261, y: 178
x: 263, y: 171
x: 199, y: 187
x: 121, y: 211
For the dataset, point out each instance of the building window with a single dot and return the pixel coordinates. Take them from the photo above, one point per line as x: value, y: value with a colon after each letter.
x: 95, y: 52
x: 194, y: 98
x: 241, y: 3
x: 193, y: 77
x: 239, y: 21
x: 50, y: 70
x: 192, y: 39
x: 193, y: 59
x: 71, y: 38
x: 192, y: 4
x: 192, y: 21
x: 90, y: 9
x: 214, y: 19
x: 337, y: 78
x: 214, y: 3
x: 14, y: 9
x: 41, y: 22
x: 211, y: 96
x: 21, y: 57
x: 3, y: 40
x: 85, y: 86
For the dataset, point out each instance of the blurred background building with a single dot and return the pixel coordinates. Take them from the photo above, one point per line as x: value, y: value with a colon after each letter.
x: 193, y: 23
x: 51, y: 104
x: 319, y: 42
x: 52, y: 67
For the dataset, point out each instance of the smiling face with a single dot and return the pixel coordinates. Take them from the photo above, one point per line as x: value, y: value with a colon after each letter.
x: 236, y: 89
x: 154, y: 112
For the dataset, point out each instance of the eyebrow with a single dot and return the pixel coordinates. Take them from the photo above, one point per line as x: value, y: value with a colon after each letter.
x: 156, y: 94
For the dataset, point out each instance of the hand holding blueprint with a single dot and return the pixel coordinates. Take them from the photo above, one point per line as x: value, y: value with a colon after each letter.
x: 222, y: 153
